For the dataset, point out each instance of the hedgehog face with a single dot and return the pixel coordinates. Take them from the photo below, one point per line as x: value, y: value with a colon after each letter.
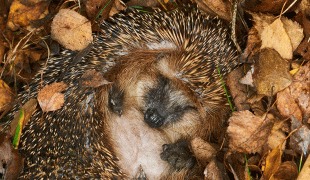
x: 142, y: 82
x: 164, y: 103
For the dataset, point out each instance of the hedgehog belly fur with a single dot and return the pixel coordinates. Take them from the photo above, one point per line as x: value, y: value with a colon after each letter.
x: 137, y: 145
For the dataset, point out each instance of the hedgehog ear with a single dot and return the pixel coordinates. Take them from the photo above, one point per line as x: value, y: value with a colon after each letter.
x: 166, y: 66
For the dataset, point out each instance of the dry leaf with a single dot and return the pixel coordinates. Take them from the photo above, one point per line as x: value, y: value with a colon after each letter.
x: 294, y: 31
x: 11, y: 162
x: 238, y: 91
x: 273, y: 162
x: 274, y: 36
x: 271, y: 73
x: 252, y: 46
x: 294, y: 100
x: 93, y: 7
x: 116, y: 8
x: 215, y: 170
x: 276, y: 138
x: 300, y: 139
x: 248, y: 78
x: 220, y: 8
x: 6, y: 95
x: 203, y: 150
x: 247, y: 132
x: 303, y: 48
x: 20, y: 15
x: 267, y: 6
x: 50, y: 98
x: 71, y: 30
x: 92, y: 78
x: 283, y: 34
x: 287, y: 170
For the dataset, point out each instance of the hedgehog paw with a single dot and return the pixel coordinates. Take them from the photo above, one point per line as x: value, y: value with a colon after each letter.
x: 178, y: 155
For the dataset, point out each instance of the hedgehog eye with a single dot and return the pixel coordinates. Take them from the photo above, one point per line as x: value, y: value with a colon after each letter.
x: 115, y: 100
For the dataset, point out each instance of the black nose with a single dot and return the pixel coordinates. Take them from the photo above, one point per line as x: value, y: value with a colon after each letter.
x: 153, y: 118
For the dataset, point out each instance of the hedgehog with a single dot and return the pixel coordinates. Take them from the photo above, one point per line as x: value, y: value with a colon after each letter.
x: 164, y: 90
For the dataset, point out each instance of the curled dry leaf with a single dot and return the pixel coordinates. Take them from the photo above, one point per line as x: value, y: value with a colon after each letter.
x: 271, y: 73
x: 11, y: 162
x: 294, y: 100
x: 6, y: 95
x: 71, y: 30
x: 247, y: 132
x: 300, y: 139
x: 92, y: 78
x: 50, y: 98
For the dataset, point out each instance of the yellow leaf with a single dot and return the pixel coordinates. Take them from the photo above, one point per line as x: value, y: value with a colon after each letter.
x: 273, y: 162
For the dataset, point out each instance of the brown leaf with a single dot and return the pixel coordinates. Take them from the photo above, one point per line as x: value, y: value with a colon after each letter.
x: 271, y: 73
x: 71, y: 30
x: 92, y: 78
x: 300, y: 139
x: 203, y: 150
x: 303, y: 48
x: 11, y: 162
x: 93, y: 7
x: 219, y: 8
x: 294, y: 100
x: 50, y: 98
x: 288, y: 170
x: 274, y: 36
x: 238, y: 91
x: 6, y: 95
x: 294, y: 32
x: 283, y: 34
x: 247, y: 132
x: 252, y: 47
x: 266, y: 6
x: 20, y: 15
x: 215, y: 170
x: 276, y: 137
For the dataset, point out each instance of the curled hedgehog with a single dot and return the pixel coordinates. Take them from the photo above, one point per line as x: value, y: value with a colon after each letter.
x: 164, y: 90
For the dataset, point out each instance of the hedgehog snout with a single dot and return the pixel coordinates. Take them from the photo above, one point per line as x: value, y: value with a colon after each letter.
x: 153, y: 118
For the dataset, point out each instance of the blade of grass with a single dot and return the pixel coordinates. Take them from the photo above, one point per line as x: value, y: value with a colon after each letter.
x: 247, y: 166
x: 18, y: 129
x: 231, y: 107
